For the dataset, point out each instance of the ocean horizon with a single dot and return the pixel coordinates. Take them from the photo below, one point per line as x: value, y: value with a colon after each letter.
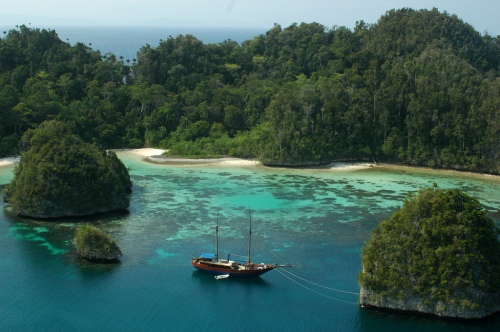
x: 126, y: 41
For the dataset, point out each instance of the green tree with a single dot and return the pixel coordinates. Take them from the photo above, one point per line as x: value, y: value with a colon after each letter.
x: 440, y: 246
x: 60, y: 175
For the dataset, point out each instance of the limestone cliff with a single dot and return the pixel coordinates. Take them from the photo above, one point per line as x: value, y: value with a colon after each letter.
x: 485, y: 304
x: 437, y: 255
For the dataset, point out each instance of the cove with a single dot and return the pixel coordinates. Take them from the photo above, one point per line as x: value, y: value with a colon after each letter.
x: 314, y: 219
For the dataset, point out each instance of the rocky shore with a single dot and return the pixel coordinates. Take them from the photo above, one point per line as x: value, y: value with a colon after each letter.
x: 439, y: 254
x: 489, y: 304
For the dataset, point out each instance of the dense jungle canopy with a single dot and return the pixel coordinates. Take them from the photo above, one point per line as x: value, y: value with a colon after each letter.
x: 417, y: 87
x: 438, y: 254
x: 59, y: 175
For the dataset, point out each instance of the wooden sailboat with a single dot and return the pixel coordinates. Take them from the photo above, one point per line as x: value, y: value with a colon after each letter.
x: 211, y: 263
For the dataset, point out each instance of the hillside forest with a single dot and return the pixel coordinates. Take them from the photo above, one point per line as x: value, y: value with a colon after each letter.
x: 418, y: 87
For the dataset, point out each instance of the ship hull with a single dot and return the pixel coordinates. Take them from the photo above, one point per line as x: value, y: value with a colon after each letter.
x: 217, y: 269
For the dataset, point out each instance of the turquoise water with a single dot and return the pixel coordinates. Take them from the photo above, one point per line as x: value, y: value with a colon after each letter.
x: 316, y: 220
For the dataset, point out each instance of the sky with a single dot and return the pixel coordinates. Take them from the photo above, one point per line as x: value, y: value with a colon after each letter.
x: 481, y: 14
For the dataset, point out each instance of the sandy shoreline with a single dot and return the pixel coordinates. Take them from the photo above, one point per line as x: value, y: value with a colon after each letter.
x: 197, y: 162
x: 154, y: 156
x: 145, y: 152
x: 8, y: 161
x: 157, y: 158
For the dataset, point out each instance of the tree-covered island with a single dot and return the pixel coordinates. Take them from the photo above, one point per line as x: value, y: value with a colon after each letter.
x: 59, y: 175
x: 94, y: 245
x: 418, y: 87
x: 439, y: 255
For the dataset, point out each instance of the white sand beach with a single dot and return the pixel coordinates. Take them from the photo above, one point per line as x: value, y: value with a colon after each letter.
x: 8, y: 161
x: 154, y: 156
x: 350, y: 166
x: 227, y: 162
x: 146, y: 152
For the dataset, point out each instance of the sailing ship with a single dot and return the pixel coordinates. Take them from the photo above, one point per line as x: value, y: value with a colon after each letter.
x: 211, y: 263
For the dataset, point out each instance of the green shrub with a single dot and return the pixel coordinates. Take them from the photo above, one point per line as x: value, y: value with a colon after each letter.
x: 95, y: 245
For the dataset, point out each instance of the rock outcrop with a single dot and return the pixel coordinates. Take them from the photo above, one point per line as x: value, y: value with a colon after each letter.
x: 59, y: 175
x: 488, y: 304
x: 95, y: 245
x: 438, y: 255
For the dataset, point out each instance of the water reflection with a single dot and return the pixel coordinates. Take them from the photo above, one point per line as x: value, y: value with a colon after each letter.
x: 371, y: 319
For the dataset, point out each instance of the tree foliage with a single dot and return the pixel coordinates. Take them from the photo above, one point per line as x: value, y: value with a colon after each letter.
x: 417, y: 87
x: 60, y: 175
x: 440, y: 246
x: 95, y: 245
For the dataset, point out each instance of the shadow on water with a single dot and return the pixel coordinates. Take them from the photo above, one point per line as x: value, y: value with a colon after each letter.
x: 48, y: 242
x: 88, y: 268
x: 373, y: 319
x: 76, y: 219
x: 208, y: 280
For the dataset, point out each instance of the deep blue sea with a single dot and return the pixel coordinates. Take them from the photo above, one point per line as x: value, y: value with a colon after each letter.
x: 127, y: 41
x: 316, y: 220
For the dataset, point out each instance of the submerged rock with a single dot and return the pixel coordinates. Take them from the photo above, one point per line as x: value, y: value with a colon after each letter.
x: 438, y: 255
x: 95, y: 245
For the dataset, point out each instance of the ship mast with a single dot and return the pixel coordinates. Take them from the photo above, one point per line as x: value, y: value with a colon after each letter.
x: 249, y: 235
x: 217, y: 238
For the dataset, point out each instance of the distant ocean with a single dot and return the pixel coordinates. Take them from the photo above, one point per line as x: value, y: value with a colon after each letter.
x: 127, y: 41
